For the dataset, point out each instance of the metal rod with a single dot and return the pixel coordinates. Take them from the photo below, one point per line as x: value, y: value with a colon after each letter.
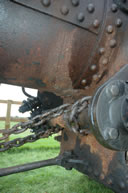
x: 29, y: 166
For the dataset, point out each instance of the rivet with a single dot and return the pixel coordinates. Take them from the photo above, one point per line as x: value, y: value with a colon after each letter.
x: 110, y: 29
x: 113, y: 43
x: 95, y: 77
x: 118, y: 22
x: 81, y: 17
x: 75, y: 2
x: 64, y: 10
x: 46, y: 3
x: 93, y: 67
x: 105, y: 61
x: 83, y: 82
x: 114, y: 8
x: 90, y: 8
x: 96, y: 23
x: 101, y: 51
x: 122, y: 185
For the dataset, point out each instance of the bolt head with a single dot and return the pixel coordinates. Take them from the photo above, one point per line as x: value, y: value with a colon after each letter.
x: 111, y: 133
x: 114, y: 89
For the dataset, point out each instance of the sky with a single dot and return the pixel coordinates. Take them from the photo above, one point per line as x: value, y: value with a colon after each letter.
x: 9, y: 92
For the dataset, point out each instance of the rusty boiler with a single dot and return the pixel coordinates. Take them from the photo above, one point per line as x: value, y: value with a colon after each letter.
x: 70, y: 49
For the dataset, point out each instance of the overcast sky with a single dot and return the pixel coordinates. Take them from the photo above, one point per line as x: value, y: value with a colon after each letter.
x: 9, y: 92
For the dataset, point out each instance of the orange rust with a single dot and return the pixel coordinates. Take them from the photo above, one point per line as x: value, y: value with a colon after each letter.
x: 105, y: 154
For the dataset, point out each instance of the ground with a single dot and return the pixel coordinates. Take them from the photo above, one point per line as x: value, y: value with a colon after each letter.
x: 46, y: 180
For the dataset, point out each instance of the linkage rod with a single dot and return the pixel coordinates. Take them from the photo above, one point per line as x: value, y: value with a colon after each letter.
x: 29, y: 166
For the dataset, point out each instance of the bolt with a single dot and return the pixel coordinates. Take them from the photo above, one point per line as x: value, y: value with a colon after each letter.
x: 114, y: 89
x: 112, y: 133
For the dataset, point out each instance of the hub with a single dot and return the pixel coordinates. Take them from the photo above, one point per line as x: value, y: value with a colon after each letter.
x: 109, y: 114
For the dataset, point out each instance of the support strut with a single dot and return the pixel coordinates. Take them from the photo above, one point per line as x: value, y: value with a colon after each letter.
x: 29, y: 166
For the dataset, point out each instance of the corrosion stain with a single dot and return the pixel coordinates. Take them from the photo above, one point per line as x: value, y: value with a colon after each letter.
x: 81, y: 53
x: 38, y: 82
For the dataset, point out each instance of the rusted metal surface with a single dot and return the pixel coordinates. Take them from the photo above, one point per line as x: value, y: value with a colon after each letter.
x: 69, y: 48
x: 44, y: 49
x: 105, y: 166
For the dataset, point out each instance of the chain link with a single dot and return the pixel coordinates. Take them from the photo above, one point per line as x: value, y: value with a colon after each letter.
x: 69, y: 111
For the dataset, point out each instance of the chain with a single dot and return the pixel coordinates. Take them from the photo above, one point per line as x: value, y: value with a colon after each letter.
x: 69, y: 111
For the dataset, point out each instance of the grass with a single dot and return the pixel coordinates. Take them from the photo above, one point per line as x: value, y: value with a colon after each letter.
x: 45, y: 180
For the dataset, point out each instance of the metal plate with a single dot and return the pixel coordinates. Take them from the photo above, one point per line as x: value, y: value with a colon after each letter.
x: 83, y: 13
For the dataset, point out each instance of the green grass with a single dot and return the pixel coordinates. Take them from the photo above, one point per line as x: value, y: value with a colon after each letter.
x: 45, y: 180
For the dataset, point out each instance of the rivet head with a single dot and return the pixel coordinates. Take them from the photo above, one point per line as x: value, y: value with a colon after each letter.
x: 96, y: 23
x: 110, y: 29
x: 105, y: 61
x: 83, y: 82
x: 113, y: 43
x: 90, y: 8
x: 64, y: 10
x: 75, y: 2
x: 118, y: 22
x: 114, y: 8
x: 95, y: 77
x: 101, y: 51
x: 93, y: 67
x: 46, y: 3
x: 81, y: 17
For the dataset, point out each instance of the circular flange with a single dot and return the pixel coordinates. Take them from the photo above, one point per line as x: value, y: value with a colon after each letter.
x: 108, y: 112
